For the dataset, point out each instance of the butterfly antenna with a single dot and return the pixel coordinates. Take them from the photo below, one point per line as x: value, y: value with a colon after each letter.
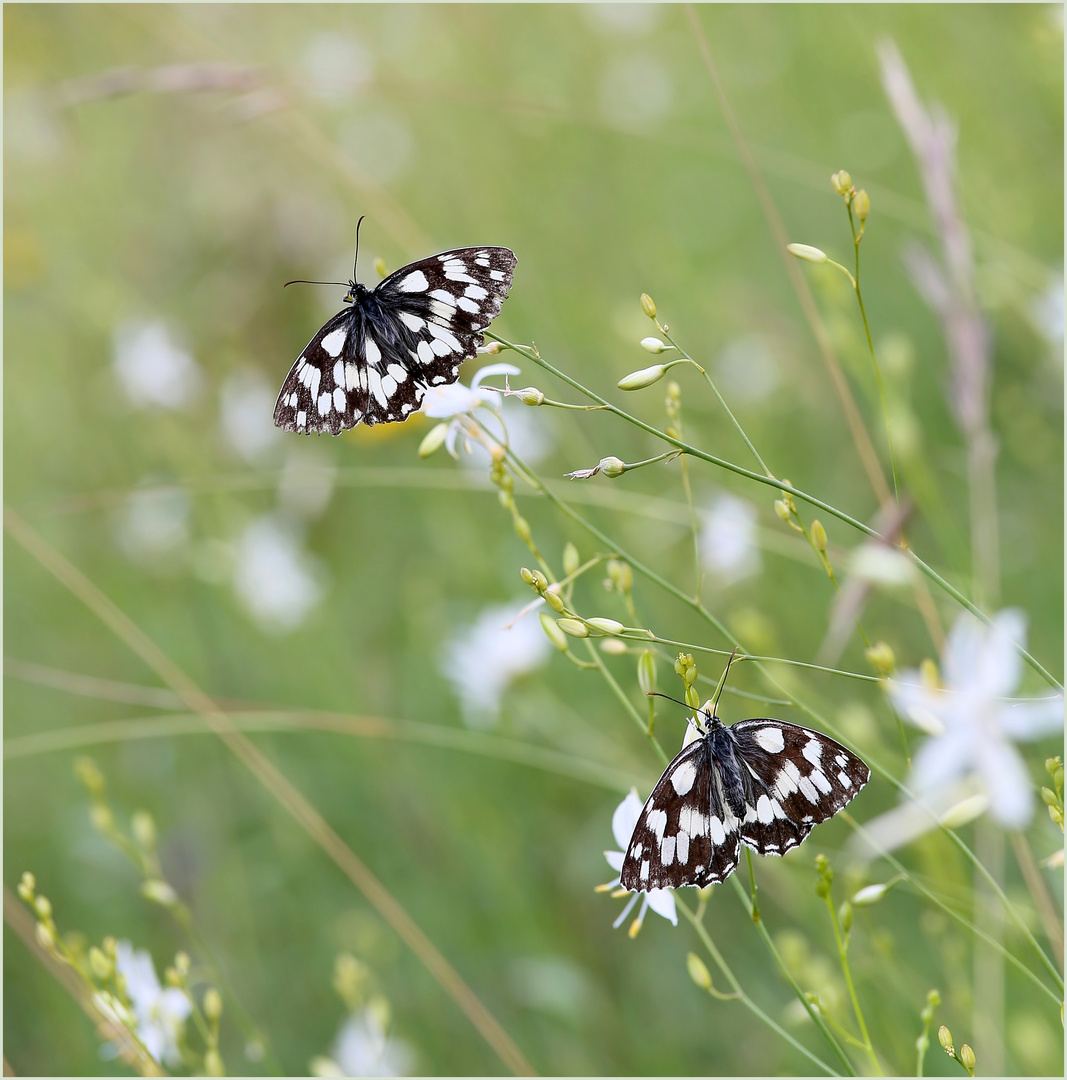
x: 656, y: 693
x: 304, y: 281
x: 722, y: 681
x: 356, y: 259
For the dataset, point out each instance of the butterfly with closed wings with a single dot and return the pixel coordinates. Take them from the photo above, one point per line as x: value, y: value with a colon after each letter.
x: 762, y: 783
x: 373, y: 362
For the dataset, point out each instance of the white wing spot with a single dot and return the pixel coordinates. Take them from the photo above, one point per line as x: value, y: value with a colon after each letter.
x: 475, y: 292
x: 443, y: 311
x: 813, y: 752
x: 412, y: 322
x: 325, y: 404
x: 683, y: 848
x: 820, y: 781
x: 339, y: 399
x: 445, y: 336
x: 468, y: 305
x: 334, y: 341
x: 765, y: 810
x: 459, y: 275
x: 843, y: 777
x: 841, y: 760
x: 388, y: 385
x: 644, y: 870
x: 666, y: 851
x: 426, y: 354
x: 807, y: 789
x: 376, y: 387
x: 682, y: 778
x: 371, y: 350
x: 482, y: 261
x: 301, y: 419
x: 339, y: 373
x: 657, y: 822
x: 398, y: 373
x: 415, y: 282
x: 770, y: 739
x: 716, y: 831
x: 351, y: 376
x: 497, y: 275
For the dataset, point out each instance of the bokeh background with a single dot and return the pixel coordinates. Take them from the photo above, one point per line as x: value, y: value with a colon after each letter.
x: 167, y: 168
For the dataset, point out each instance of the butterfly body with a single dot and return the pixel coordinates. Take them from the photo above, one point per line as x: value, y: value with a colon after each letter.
x: 762, y: 782
x: 374, y: 360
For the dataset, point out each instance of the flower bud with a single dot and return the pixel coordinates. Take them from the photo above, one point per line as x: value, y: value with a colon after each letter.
x: 612, y: 467
x: 90, y: 776
x: 620, y: 575
x: 494, y: 347
x: 213, y: 1063
x: 933, y: 999
x: 110, y: 946
x: 807, y: 252
x: 573, y: 627
x: 380, y: 268
x: 781, y: 508
x: 433, y: 440
x: 841, y: 182
x: 646, y: 671
x: 648, y: 305
x: 540, y: 582
x: 159, y: 892
x: 698, y: 971
x: 818, y: 536
x: 944, y: 1037
x: 526, y: 575
x: 881, y: 658
x: 530, y: 395
x: 101, y: 965
x: 43, y: 906
x: 862, y: 204
x: 45, y: 937
x: 692, y: 697
x: 614, y: 646
x: 102, y: 817
x: 654, y: 345
x: 967, y: 1058
x: 172, y: 977
x: 1049, y: 797
x: 144, y: 830
x: 555, y: 635
x: 522, y: 528
x: 637, y: 380
x: 605, y: 626
x: 571, y: 559
x: 553, y: 599
x: 965, y: 811
x: 844, y: 915
x: 870, y: 894
x: 212, y: 1004
x: 26, y: 886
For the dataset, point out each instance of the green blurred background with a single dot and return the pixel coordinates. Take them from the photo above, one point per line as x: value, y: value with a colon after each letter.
x: 151, y: 217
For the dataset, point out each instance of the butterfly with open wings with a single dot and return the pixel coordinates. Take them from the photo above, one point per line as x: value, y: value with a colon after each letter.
x: 373, y: 362
x: 763, y: 783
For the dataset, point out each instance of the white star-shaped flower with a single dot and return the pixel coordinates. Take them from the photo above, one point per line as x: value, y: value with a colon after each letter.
x: 160, y: 1013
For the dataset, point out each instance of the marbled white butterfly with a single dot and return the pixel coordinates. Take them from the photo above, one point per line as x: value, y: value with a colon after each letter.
x: 764, y: 783
x: 373, y: 361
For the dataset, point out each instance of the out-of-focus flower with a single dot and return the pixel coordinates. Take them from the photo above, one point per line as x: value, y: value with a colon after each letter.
x: 661, y: 901
x: 623, y: 20
x: 1046, y: 311
x: 363, y: 1048
x: 246, y: 403
x: 728, y: 538
x: 275, y: 578
x: 160, y: 1013
x: 152, y: 367
x: 307, y: 481
x: 336, y: 65
x: 153, y: 526
x: 746, y: 370
x: 455, y: 399
x: 482, y: 659
x: 971, y: 723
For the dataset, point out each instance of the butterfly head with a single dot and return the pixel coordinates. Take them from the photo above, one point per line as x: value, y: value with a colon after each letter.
x: 703, y: 723
x: 355, y: 290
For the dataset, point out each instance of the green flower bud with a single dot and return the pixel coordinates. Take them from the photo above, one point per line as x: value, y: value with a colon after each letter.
x: 172, y: 977
x: 844, y: 915
x: 648, y: 306
x: 159, y: 892
x: 144, y: 830
x: 944, y: 1037
x: 605, y: 626
x: 614, y: 646
x: 781, y: 508
x: 571, y: 559
x: 212, y: 1004
x: 213, y: 1063
x: 654, y: 345
x: 807, y: 252
x: 646, y: 671
x: 522, y: 528
x: 494, y: 347
x: 967, y: 1058
x: 26, y: 886
x: 862, y: 204
x: 933, y: 999
x: 90, y: 776
x: 555, y: 635
x: 433, y: 440
x: 380, y: 268
x: 45, y: 937
x: 818, y: 536
x: 102, y: 817
x: 43, y: 907
x: 882, y: 658
x: 526, y: 575
x: 1049, y: 797
x: 540, y: 582
x: 841, y: 182
x: 612, y: 466
x: 530, y: 395
x: 100, y: 964
x: 553, y: 599
x: 181, y: 962
x: 698, y: 971
x: 110, y: 946
x: 870, y: 894
x: 573, y: 627
x: 620, y: 576
x: 637, y: 380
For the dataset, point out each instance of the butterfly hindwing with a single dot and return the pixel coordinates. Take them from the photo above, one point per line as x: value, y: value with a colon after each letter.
x: 796, y: 778
x: 686, y: 835
x: 373, y: 362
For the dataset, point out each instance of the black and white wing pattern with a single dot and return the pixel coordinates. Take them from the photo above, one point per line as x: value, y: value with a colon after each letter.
x: 763, y: 783
x: 373, y: 361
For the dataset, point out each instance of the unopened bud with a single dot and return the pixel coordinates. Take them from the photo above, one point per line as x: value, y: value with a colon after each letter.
x: 862, y: 204
x: 540, y: 582
x: 573, y: 627
x: 433, y: 440
x: 933, y: 999
x: 26, y: 886
x: 944, y: 1037
x: 614, y: 646
x: 605, y: 626
x: 967, y: 1058
x: 698, y: 971
x: 181, y: 962
x: 159, y: 892
x: 213, y: 1063
x: 522, y: 528
x: 654, y: 345
x: 380, y: 268
x: 841, y: 182
x: 781, y: 508
x: 494, y: 347
x: 1049, y: 797
x: 844, y: 914
x: 637, y: 380
x: 555, y: 635
x: 526, y: 575
x: 45, y: 938
x: 648, y: 305
x: 612, y: 466
x: 172, y: 977
x: 530, y: 395
x: 102, y: 817
x: 571, y: 559
x: 646, y: 671
x: 110, y: 946
x: 212, y: 1004
x: 870, y: 894
x: 553, y: 599
x: 100, y: 964
x: 807, y: 252
x: 818, y: 536
x: 43, y: 906
x: 882, y: 658
x: 620, y: 575
x: 144, y: 830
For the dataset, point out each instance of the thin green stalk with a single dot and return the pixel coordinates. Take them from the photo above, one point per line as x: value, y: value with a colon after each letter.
x: 771, y: 481
x: 749, y: 1004
x: 694, y: 527
x: 814, y: 1013
x: 621, y: 695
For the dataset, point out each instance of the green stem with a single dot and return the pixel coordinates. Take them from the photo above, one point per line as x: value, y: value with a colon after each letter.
x: 621, y: 695
x: 842, y: 952
x: 749, y: 1004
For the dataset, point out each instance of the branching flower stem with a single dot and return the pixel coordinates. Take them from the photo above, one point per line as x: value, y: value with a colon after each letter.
x: 745, y: 1000
x: 769, y: 481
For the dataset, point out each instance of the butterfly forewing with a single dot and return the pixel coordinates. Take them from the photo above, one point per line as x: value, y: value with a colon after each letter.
x: 797, y: 779
x: 373, y: 361
x: 685, y: 835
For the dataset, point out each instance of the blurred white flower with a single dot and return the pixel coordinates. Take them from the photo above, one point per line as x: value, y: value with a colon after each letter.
x: 526, y: 436
x: 1046, y: 311
x: 247, y: 413
x: 160, y: 1013
x: 482, y: 659
x: 629, y: 20
x: 746, y: 370
x: 971, y: 724
x: 455, y: 402
x: 152, y: 368
x: 336, y: 65
x: 661, y: 901
x: 362, y: 1048
x: 307, y: 481
x: 728, y: 545
x: 635, y: 91
x: 153, y: 525
x: 275, y: 578
x: 878, y: 564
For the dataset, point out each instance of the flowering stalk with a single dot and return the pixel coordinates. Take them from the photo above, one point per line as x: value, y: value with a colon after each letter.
x: 922, y: 1043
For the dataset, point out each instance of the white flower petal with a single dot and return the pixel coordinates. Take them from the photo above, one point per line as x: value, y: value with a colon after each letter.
x: 615, y: 860
x: 624, y: 820
x: 1032, y: 719
x: 661, y: 901
x: 940, y: 760
x: 1000, y: 667
x: 918, y: 704
x: 493, y: 369
x: 1011, y: 793
x: 455, y: 399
